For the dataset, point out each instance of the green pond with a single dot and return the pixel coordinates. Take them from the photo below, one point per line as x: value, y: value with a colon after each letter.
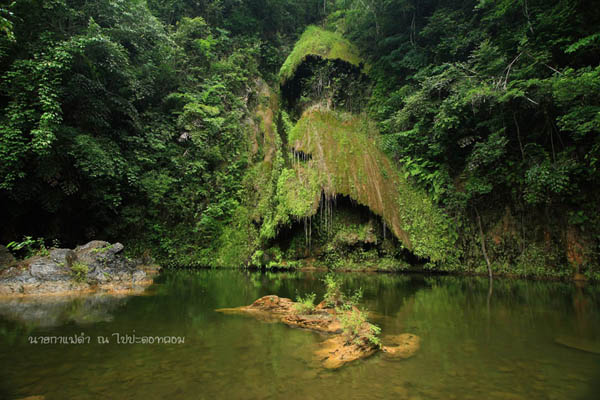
x: 526, y: 340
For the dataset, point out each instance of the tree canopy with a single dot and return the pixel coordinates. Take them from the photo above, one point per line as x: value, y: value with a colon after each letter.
x: 150, y: 122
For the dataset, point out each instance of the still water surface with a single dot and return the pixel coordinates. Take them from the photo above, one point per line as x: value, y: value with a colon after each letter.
x: 474, y: 346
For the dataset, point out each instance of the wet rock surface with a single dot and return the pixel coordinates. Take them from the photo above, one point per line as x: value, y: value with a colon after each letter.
x: 337, y: 350
x: 97, y: 265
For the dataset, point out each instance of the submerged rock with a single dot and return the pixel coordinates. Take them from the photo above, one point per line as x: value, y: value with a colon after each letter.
x: 401, y: 346
x: 97, y: 265
x: 338, y: 350
x: 582, y: 344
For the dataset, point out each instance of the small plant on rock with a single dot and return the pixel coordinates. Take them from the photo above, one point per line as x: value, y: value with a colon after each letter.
x: 79, y: 271
x: 373, y: 336
x: 355, y: 325
x: 333, y: 295
x: 102, y: 250
x: 305, y: 305
x: 354, y: 320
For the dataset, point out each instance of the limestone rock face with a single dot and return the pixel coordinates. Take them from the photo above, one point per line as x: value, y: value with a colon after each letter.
x: 97, y: 265
x: 46, y: 268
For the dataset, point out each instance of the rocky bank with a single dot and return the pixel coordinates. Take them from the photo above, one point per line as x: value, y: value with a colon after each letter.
x: 95, y: 266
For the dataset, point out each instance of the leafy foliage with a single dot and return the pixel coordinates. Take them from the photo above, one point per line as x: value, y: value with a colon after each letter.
x: 114, y: 125
x: 79, y: 271
x: 489, y: 105
x: 28, y: 247
x: 149, y: 121
x: 306, y: 304
x: 333, y: 290
x: 354, y: 320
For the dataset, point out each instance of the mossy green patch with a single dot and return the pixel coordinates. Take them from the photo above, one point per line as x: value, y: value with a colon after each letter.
x: 241, y: 237
x: 322, y: 43
x: 298, y: 192
x: 237, y: 241
x: 430, y: 230
x: 348, y: 162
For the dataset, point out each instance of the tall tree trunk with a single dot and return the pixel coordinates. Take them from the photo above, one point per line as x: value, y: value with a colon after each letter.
x: 483, y: 249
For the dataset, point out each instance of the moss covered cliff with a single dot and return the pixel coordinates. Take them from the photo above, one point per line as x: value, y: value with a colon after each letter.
x: 319, y: 42
x: 303, y: 167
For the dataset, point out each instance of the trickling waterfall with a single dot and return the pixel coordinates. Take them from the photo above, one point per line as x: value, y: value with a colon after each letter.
x: 307, y: 231
x: 326, y: 205
x: 299, y: 155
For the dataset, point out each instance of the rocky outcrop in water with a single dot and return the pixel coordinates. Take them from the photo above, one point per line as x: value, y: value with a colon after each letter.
x: 337, y: 350
x: 97, y: 265
x: 275, y: 308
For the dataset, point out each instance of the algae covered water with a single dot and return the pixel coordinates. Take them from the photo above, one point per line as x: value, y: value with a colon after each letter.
x: 522, y: 340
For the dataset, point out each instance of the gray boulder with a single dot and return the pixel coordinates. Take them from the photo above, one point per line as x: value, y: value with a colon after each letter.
x: 65, y: 257
x: 44, y: 268
x: 99, y: 255
x: 53, y: 267
x: 95, y: 265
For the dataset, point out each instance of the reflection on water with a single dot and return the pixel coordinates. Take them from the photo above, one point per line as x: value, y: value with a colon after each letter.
x: 472, y: 347
x: 47, y: 311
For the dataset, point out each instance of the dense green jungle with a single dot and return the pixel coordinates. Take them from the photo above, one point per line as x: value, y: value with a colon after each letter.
x: 388, y: 135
